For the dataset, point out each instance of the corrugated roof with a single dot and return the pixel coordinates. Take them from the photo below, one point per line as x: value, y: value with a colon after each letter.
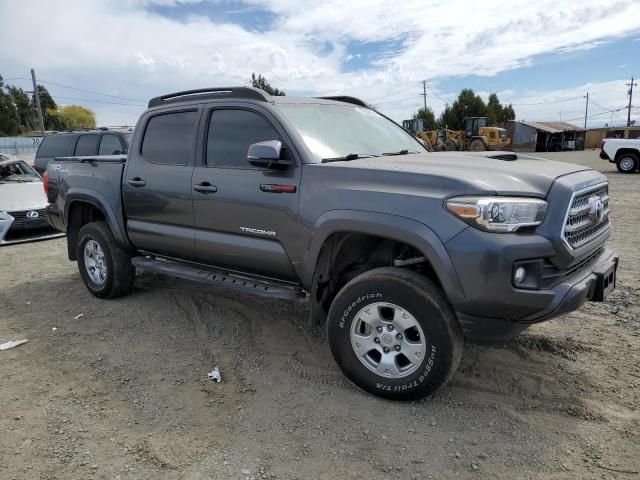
x: 554, y: 127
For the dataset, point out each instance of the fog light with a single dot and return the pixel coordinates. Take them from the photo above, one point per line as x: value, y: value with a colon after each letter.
x: 519, y: 275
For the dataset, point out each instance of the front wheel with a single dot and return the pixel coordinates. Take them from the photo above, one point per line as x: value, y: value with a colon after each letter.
x: 477, y: 145
x: 105, y: 267
x: 627, y: 163
x: 393, y: 334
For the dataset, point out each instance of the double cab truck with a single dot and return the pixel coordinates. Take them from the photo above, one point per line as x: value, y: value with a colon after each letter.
x: 401, y: 253
x: 624, y: 152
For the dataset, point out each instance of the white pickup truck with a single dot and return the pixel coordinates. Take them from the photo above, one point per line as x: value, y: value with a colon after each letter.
x: 624, y: 152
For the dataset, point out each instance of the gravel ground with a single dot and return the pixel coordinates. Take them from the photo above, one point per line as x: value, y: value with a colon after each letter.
x: 118, y: 389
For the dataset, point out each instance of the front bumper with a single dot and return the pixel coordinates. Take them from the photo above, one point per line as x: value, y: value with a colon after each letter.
x: 604, y: 156
x: 493, y: 309
x: 16, y: 229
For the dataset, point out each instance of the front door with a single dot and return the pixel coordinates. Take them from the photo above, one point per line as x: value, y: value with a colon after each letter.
x: 157, y: 190
x: 246, y: 217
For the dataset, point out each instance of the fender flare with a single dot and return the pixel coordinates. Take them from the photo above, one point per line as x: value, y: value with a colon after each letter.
x: 394, y: 227
x: 99, y: 201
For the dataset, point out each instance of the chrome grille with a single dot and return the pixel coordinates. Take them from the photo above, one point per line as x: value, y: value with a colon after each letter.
x: 587, y: 216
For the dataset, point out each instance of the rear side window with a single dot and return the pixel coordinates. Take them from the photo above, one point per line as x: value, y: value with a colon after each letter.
x: 230, y: 134
x: 168, y: 139
x: 87, y: 145
x: 109, y: 144
x: 55, y: 146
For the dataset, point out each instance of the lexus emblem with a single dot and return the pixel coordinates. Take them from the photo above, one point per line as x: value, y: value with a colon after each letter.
x: 596, y: 213
x: 32, y: 215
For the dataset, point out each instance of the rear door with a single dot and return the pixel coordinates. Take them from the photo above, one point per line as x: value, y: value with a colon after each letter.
x: 157, y: 189
x: 246, y: 219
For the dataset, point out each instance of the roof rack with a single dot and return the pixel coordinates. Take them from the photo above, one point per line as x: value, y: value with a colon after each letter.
x: 348, y: 99
x: 211, y: 93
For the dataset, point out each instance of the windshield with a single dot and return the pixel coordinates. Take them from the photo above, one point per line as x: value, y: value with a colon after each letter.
x: 17, y: 172
x: 333, y: 131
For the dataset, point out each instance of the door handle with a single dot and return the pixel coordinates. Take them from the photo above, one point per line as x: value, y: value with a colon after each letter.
x: 205, y: 187
x: 137, y: 182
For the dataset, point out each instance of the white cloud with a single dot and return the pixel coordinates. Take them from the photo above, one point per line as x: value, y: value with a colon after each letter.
x: 120, y: 47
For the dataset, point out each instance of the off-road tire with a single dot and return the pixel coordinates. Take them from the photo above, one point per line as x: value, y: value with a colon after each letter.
x: 627, y: 162
x: 477, y: 145
x: 120, y: 272
x: 421, y: 298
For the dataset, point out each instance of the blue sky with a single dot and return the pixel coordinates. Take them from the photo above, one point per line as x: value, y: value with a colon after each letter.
x: 542, y: 56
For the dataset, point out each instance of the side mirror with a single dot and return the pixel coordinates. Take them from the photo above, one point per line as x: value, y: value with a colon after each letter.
x: 267, y: 155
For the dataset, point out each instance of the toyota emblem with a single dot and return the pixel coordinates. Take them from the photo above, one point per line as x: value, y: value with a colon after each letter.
x: 33, y: 214
x: 596, y: 212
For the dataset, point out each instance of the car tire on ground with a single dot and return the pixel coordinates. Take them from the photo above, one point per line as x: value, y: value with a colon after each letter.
x: 105, y: 267
x: 477, y: 145
x: 627, y: 162
x: 394, y: 334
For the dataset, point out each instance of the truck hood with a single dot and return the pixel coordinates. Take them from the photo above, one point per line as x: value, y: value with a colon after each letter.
x: 16, y: 197
x: 482, y: 171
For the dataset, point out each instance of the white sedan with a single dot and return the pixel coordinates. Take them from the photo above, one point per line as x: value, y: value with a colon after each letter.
x: 23, y: 216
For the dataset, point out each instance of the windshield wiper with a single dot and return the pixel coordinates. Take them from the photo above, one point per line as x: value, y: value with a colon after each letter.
x: 401, y: 152
x: 350, y: 156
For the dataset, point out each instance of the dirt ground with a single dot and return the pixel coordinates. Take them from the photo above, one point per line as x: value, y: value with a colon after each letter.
x: 118, y: 389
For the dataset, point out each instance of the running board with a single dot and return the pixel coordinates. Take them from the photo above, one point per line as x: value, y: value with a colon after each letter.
x: 212, y: 276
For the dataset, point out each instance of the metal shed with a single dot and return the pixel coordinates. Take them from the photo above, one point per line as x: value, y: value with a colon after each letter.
x: 545, y: 136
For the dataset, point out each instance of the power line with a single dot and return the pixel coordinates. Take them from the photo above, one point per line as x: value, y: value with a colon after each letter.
x: 393, y: 94
x: 88, y: 100
x: 545, y: 103
x: 396, y: 100
x: 78, y: 89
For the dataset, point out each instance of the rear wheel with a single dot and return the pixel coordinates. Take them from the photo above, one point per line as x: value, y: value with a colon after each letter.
x: 393, y: 334
x: 477, y: 145
x: 105, y: 267
x: 627, y: 163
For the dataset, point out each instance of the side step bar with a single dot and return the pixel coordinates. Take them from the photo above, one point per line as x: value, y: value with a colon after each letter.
x: 212, y: 276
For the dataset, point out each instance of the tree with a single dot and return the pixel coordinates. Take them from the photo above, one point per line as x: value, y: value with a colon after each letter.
x: 427, y: 117
x: 72, y: 117
x: 9, y: 120
x: 496, y: 113
x: 468, y: 104
x: 262, y: 83
x: 47, y: 104
x: 26, y: 111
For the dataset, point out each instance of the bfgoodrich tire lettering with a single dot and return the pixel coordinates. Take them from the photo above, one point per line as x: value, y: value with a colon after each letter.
x: 422, y: 300
x: 119, y: 273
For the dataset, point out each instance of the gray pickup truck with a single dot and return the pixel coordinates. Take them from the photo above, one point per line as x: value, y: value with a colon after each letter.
x: 402, y: 253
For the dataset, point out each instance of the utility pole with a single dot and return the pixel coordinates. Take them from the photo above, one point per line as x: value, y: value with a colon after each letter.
x: 37, y: 97
x: 631, y: 85
x: 586, y: 112
x: 424, y: 94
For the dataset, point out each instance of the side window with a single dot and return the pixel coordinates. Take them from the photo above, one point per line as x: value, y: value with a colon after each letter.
x: 169, y: 137
x: 230, y: 134
x: 87, y: 145
x: 109, y: 144
x: 55, y: 146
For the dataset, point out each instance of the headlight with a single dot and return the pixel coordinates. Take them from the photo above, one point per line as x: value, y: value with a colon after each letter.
x: 498, y: 214
x: 5, y: 216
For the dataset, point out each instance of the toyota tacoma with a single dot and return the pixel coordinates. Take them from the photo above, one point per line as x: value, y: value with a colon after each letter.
x: 401, y: 253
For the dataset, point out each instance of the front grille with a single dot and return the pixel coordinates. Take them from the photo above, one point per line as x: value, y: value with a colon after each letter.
x: 22, y: 221
x: 587, y: 217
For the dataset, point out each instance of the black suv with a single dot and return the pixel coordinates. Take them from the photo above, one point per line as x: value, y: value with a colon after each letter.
x: 81, y: 143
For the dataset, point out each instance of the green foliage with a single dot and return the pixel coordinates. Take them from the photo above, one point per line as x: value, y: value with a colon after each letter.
x: 469, y: 104
x: 262, y: 83
x: 9, y: 120
x: 18, y: 112
x: 497, y: 113
x: 72, y: 117
x: 427, y: 117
